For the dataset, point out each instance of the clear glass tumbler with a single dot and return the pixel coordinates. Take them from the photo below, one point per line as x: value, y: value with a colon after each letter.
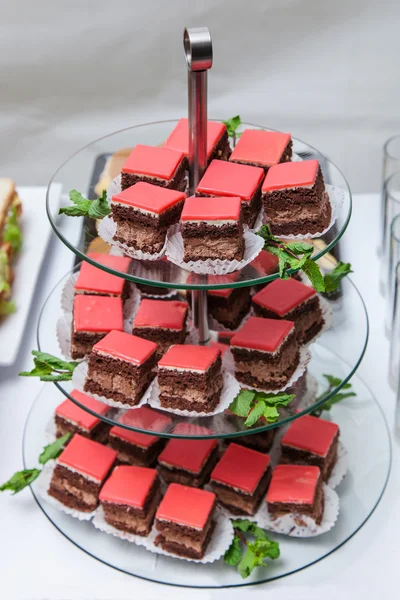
x: 394, y: 360
x: 391, y: 164
x: 392, y: 209
x: 393, y: 260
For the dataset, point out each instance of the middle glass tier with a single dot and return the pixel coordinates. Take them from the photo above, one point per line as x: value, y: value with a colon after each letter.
x: 337, y: 352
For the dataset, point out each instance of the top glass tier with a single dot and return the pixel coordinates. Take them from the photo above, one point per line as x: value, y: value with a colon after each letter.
x: 83, y: 170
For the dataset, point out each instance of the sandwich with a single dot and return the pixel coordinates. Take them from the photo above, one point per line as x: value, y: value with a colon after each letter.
x: 10, y: 241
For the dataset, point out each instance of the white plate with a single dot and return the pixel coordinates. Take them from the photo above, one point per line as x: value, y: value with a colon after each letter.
x: 36, y: 234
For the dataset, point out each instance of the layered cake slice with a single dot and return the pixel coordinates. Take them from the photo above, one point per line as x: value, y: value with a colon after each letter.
x: 266, y: 353
x: 296, y: 489
x: 262, y: 442
x: 217, y: 140
x: 129, y: 499
x: 294, y: 198
x: 291, y: 300
x: 261, y: 148
x: 311, y: 441
x: 121, y: 367
x: 240, y: 479
x: 264, y: 264
x: 71, y: 418
x: 190, y: 378
x: 184, y: 521
x: 228, y: 306
x: 160, y: 166
x: 161, y: 321
x: 212, y: 229
x: 223, y: 178
x: 94, y: 281
x: 93, y: 318
x: 133, y: 447
x: 80, y: 472
x: 143, y: 214
x: 189, y: 461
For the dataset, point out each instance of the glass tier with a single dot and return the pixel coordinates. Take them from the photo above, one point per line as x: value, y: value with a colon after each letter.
x: 337, y: 352
x: 82, y: 171
x: 364, y: 433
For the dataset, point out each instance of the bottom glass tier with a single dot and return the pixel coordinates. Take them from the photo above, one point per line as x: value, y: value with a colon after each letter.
x: 364, y: 432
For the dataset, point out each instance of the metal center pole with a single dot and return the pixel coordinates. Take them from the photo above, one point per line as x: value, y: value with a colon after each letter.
x: 198, y: 52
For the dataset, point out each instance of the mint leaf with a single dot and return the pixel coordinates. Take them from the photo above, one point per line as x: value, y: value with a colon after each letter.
x: 255, y: 414
x: 82, y: 207
x: 282, y: 261
x: 50, y: 368
x: 280, y: 399
x: 242, y: 524
x: 99, y: 208
x: 266, y: 234
x: 20, y: 480
x: 234, y: 553
x: 242, y: 403
x: 54, y: 361
x: 271, y: 414
x: 300, y: 248
x: 232, y: 125
x: 12, y: 233
x: 332, y: 280
x: 333, y: 381
x: 313, y: 272
x: 248, y: 563
x: 54, y: 450
x: 265, y: 548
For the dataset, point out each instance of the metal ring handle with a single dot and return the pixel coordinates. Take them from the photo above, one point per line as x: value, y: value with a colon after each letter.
x: 198, y: 48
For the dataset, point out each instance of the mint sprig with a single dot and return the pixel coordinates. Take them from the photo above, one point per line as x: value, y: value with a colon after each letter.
x: 82, y: 207
x: 254, y: 405
x: 333, y: 382
x: 231, y: 127
x: 54, y: 450
x: 50, y: 368
x: 246, y: 555
x: 332, y: 280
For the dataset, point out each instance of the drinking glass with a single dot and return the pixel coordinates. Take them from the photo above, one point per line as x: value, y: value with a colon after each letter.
x: 391, y: 164
x: 394, y: 359
x: 392, y: 209
x: 393, y: 260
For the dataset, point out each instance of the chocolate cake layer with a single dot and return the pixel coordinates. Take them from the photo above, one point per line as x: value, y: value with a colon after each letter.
x: 130, y: 454
x: 238, y: 502
x: 163, y: 337
x: 175, y: 475
x: 250, y: 208
x: 99, y: 432
x: 230, y: 311
x: 296, y: 456
x: 177, y: 182
x: 165, y: 219
x: 74, y: 490
x: 140, y: 237
x: 150, y: 290
x: 222, y: 149
x: 82, y: 343
x: 283, y: 223
x: 286, y: 199
x: 223, y: 248
x: 314, y: 510
x: 182, y: 540
x: 286, y: 157
x: 256, y: 441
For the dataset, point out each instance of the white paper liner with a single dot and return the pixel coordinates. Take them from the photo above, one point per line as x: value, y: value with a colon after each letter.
x: 220, y: 540
x: 43, y: 484
x: 170, y: 294
x: 340, y: 467
x: 230, y: 390
x: 175, y: 252
x: 78, y: 381
x: 50, y: 431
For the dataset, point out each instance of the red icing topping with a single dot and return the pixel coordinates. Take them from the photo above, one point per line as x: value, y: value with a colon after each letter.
x: 142, y: 418
x: 128, y: 485
x: 262, y: 334
x: 283, y: 295
x: 153, y: 161
x: 294, y: 484
x: 291, y: 174
x: 226, y: 208
x: 225, y: 292
x: 190, y: 357
x: 124, y: 346
x: 88, y: 457
x: 98, y: 313
x: 178, y: 139
x: 170, y: 314
x: 266, y: 263
x: 149, y: 197
x: 259, y: 146
x: 224, y: 178
x: 70, y: 411
x: 189, y: 455
x: 241, y: 468
x: 311, y: 434
x: 186, y: 506
x: 92, y: 279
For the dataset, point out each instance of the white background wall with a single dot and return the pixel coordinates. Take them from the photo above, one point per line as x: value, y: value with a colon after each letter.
x: 325, y: 70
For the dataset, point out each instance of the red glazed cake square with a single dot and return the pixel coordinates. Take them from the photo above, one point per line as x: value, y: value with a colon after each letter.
x: 152, y: 164
x: 189, y: 461
x: 266, y: 353
x: 129, y: 499
x: 223, y: 178
x: 217, y: 140
x: 92, y: 280
x: 71, y: 418
x: 190, y: 378
x: 228, y: 306
x: 241, y: 478
x: 121, y: 367
x: 262, y: 148
x: 161, y: 321
x: 185, y: 513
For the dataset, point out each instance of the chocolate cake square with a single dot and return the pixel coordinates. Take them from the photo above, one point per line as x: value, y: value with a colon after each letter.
x: 129, y: 499
x: 121, y: 367
x: 190, y: 378
x: 143, y: 214
x: 294, y: 198
x: 71, y: 418
x: 80, y: 472
x: 189, y: 461
x: 266, y: 353
x: 217, y: 140
x: 160, y: 166
x: 291, y: 300
x: 93, y: 318
x: 296, y: 489
x: 228, y: 306
x: 94, y: 281
x: 133, y: 447
x: 261, y: 148
x: 223, y: 178
x: 264, y: 264
x: 240, y: 479
x: 311, y: 441
x: 161, y: 321
x: 184, y: 521
x: 262, y: 442
x: 212, y: 228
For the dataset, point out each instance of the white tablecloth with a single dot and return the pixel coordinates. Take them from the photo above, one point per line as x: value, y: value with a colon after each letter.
x: 37, y: 562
